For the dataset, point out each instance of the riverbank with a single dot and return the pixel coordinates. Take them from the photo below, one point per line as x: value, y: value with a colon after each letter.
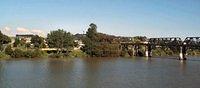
x: 4, y: 56
x: 36, y: 53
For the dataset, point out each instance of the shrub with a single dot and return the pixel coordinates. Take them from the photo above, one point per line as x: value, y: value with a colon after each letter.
x: 193, y: 52
x: 34, y: 53
x: 77, y: 53
x: 39, y: 53
x: 17, y: 53
x: 28, y: 54
x: 123, y: 53
x: 158, y: 52
x: 169, y: 52
x: 8, y: 50
x: 2, y: 55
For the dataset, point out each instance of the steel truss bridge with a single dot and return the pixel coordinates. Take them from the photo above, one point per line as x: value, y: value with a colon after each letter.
x: 170, y: 42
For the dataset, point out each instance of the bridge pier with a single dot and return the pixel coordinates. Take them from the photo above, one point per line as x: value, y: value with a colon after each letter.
x: 148, y: 51
x: 136, y: 51
x: 182, y: 53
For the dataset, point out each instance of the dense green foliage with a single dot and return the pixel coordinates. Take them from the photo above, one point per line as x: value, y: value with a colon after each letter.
x: 34, y: 53
x: 17, y: 42
x: 99, y: 44
x: 8, y: 50
x: 193, y: 52
x: 163, y: 52
x: 60, y: 39
x: 3, y: 40
x: 3, y: 55
x: 18, y: 53
x: 77, y: 53
x: 37, y: 41
x: 96, y: 44
x: 20, y: 43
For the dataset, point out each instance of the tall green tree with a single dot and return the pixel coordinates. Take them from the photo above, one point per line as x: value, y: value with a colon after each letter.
x: 90, y: 39
x: 37, y: 41
x: 92, y: 31
x: 99, y: 44
x: 8, y: 50
x: 4, y: 39
x: 60, y: 39
x: 17, y: 42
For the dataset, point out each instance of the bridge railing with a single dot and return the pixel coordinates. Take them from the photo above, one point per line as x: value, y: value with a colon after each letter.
x: 192, y: 41
x: 171, y: 41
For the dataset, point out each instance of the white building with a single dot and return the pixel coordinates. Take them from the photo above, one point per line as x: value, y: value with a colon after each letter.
x: 25, y: 37
x: 80, y: 44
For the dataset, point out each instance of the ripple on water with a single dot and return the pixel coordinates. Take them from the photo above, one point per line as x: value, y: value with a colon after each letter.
x: 100, y: 73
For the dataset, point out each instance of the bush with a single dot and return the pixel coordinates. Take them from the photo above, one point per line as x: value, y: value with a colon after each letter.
x: 17, y: 53
x: 158, y: 52
x: 39, y: 53
x: 77, y: 53
x: 193, y: 52
x: 34, y: 53
x: 28, y: 54
x: 3, y: 55
x: 8, y: 50
x: 169, y: 52
x: 123, y: 53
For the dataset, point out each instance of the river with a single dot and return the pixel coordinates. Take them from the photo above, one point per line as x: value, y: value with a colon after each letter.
x: 135, y: 72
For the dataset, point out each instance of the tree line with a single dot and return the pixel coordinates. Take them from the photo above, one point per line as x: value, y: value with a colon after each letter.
x: 96, y: 44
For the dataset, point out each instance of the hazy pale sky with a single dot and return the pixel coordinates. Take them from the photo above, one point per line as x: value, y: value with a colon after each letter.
x: 151, y: 18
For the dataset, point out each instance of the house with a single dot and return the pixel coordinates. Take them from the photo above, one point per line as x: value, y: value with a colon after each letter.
x: 79, y: 44
x: 25, y: 37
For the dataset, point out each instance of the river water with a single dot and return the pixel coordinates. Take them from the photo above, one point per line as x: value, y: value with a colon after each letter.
x: 101, y: 73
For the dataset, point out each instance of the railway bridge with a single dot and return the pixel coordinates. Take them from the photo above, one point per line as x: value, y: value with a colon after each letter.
x: 172, y: 42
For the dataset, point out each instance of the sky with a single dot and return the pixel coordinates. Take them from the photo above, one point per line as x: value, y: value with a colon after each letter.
x: 151, y: 18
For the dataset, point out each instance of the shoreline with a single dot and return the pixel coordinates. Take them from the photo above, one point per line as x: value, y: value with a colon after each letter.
x: 103, y: 58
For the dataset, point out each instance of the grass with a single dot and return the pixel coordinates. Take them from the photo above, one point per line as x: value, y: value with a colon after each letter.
x: 3, y: 56
x: 77, y: 53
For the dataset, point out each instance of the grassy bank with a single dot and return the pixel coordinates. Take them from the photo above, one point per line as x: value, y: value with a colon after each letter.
x: 4, y: 56
x: 72, y: 54
x: 36, y: 53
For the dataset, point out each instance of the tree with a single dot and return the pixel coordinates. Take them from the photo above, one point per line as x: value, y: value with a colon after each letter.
x: 99, y: 44
x: 8, y: 50
x: 37, y: 41
x: 17, y: 42
x: 90, y: 39
x: 60, y: 39
x: 139, y: 39
x: 4, y: 39
x: 17, y: 53
x: 89, y: 46
x: 92, y: 31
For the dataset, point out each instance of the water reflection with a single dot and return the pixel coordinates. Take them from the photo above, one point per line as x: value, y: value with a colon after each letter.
x: 183, y: 64
x: 100, y: 73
